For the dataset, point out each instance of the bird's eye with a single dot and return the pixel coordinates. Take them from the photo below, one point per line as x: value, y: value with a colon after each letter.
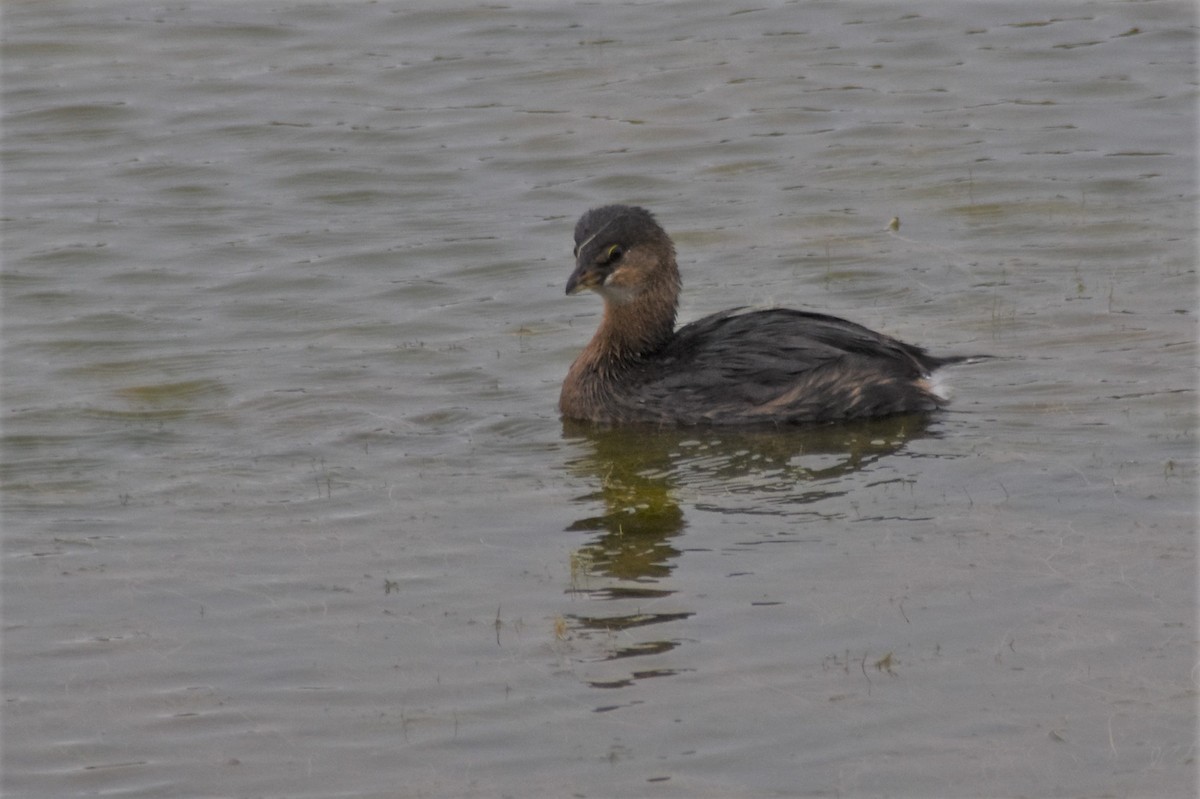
x: 614, y: 254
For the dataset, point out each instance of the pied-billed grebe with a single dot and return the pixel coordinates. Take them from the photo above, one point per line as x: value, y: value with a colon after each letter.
x: 735, y: 367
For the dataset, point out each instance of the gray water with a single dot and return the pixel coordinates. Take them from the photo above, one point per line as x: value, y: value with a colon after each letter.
x: 289, y: 510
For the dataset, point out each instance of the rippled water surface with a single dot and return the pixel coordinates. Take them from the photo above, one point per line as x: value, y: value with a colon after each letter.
x: 289, y: 510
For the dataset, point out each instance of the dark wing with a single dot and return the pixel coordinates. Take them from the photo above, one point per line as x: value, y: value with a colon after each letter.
x: 785, y: 365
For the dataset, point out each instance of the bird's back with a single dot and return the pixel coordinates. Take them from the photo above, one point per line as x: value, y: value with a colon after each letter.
x: 778, y: 365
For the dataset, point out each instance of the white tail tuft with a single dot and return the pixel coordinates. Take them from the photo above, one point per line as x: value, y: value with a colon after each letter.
x: 938, y: 386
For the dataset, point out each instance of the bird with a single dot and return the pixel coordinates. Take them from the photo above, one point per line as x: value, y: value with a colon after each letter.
x: 740, y: 366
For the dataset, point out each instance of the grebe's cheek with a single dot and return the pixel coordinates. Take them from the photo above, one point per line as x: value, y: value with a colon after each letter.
x: 618, y: 286
x: 616, y: 293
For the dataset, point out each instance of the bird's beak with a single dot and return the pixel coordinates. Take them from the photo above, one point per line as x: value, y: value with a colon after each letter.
x: 584, y: 277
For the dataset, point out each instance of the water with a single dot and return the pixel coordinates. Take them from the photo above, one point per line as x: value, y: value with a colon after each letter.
x: 288, y: 507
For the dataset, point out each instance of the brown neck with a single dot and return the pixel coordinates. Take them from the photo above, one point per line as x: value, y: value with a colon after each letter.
x: 634, y: 329
x: 639, y: 319
x: 636, y: 326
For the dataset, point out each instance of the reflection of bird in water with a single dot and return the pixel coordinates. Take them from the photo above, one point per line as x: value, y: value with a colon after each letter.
x: 639, y: 473
x: 641, y: 516
x: 735, y: 367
